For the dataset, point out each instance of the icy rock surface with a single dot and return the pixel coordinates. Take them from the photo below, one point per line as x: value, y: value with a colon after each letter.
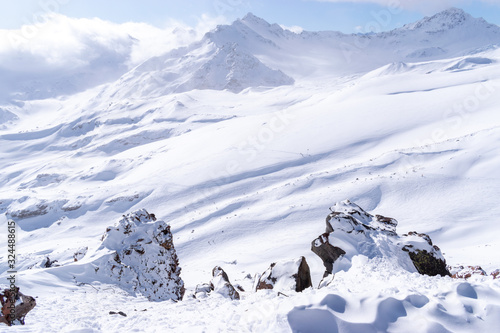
x: 142, y: 257
x: 350, y: 231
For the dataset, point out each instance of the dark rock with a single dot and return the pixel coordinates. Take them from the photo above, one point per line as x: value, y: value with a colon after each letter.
x: 15, y: 306
x: 426, y: 263
x: 326, y: 251
x: 119, y: 312
x: 286, y: 276
x: 303, y: 276
x: 47, y: 263
x: 428, y: 259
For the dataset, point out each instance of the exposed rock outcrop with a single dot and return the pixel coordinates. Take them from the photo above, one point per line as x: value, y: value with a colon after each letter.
x: 15, y: 306
x: 466, y: 272
x: 80, y: 253
x: 428, y: 260
x: 141, y: 257
x: 219, y: 284
x: 327, y: 252
x: 284, y: 276
x: 47, y: 263
x: 351, y: 231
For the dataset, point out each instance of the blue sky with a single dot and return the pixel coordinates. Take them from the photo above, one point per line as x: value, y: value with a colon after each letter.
x: 345, y: 16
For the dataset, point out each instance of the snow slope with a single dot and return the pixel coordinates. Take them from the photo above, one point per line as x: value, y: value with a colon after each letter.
x: 245, y: 179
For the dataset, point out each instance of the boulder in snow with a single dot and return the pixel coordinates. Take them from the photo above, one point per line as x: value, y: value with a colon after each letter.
x: 141, y: 257
x: 219, y: 284
x: 465, y: 272
x: 284, y: 276
x: 426, y: 257
x: 350, y: 231
x: 326, y: 251
x: 15, y: 306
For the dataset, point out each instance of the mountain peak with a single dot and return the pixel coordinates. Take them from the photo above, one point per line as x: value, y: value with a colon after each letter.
x: 250, y: 18
x: 452, y: 14
x: 447, y: 19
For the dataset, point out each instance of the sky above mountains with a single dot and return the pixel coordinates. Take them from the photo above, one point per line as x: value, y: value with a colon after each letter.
x: 339, y: 15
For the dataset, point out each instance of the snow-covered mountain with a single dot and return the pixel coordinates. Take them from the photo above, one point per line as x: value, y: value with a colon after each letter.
x: 251, y: 53
x: 241, y: 142
x: 204, y: 65
x: 447, y: 34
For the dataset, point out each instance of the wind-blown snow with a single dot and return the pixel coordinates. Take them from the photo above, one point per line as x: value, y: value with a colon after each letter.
x: 245, y: 179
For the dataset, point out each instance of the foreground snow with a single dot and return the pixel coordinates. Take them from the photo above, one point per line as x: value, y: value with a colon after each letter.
x: 373, y: 296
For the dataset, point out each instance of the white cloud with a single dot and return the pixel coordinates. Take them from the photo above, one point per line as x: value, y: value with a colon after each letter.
x: 79, y: 53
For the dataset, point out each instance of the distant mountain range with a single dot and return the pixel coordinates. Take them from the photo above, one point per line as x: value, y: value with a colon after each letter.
x: 252, y: 52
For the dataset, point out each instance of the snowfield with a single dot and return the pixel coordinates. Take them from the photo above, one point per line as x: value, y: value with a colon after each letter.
x: 241, y: 142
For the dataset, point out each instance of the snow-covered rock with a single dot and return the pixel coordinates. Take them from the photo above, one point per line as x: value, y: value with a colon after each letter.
x: 219, y: 284
x: 142, y: 257
x: 285, y: 276
x: 465, y: 272
x: 351, y: 231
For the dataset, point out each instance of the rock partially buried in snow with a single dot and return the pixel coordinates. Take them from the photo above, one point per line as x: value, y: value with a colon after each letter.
x: 327, y: 252
x: 142, y: 257
x: 350, y: 231
x: 219, y: 284
x: 427, y: 258
x: 466, y: 272
x: 284, y: 276
x: 203, y: 290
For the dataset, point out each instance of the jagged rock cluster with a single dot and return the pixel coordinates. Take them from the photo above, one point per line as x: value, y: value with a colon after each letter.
x: 465, y: 272
x: 351, y: 231
x: 142, y: 257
